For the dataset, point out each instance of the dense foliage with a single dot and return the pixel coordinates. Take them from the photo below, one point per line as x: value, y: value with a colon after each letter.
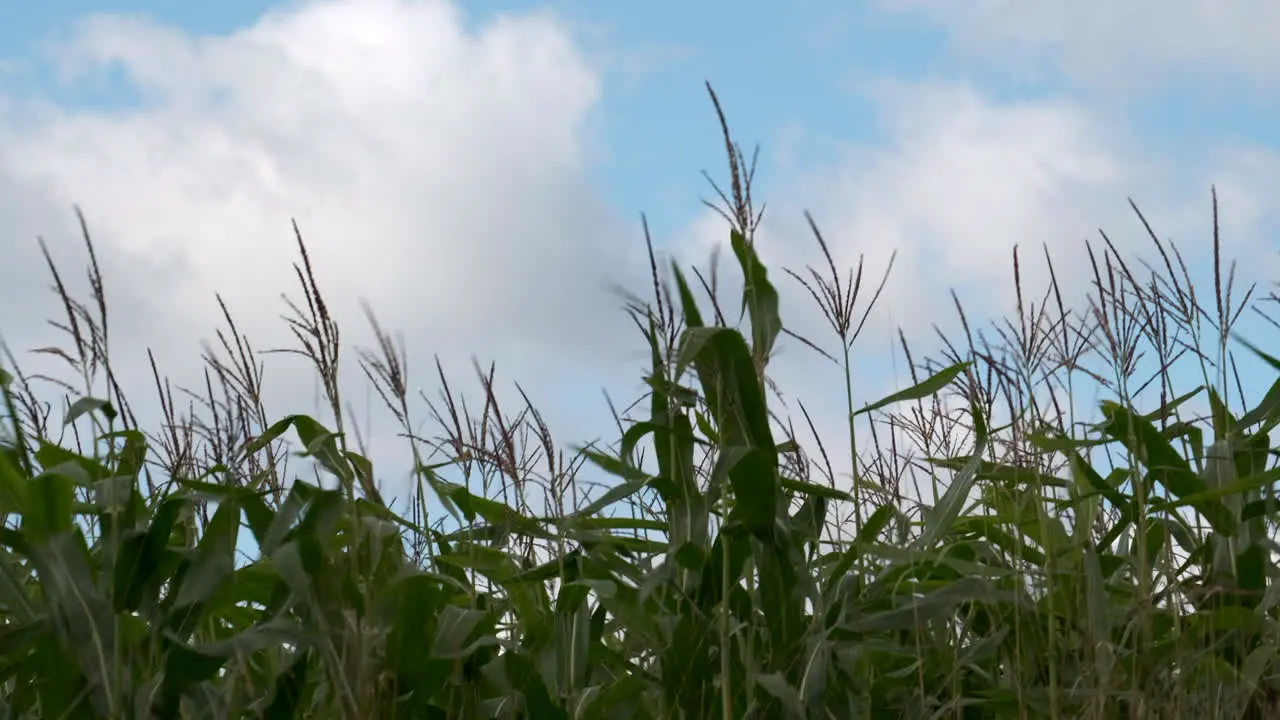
x: 1119, y: 568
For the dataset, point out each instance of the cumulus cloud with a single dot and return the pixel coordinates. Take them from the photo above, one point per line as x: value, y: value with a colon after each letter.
x: 963, y: 178
x: 437, y: 167
x: 1111, y: 42
x: 441, y: 170
x: 960, y: 180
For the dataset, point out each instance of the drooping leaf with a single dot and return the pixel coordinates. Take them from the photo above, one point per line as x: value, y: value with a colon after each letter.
x: 939, y: 518
x: 926, y: 388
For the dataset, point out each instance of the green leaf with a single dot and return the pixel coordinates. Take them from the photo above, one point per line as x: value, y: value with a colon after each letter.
x: 86, y: 405
x: 809, y: 489
x: 214, y: 558
x: 1232, y: 489
x: 184, y: 667
x: 62, y: 689
x: 460, y: 632
x: 318, y: 442
x: 926, y: 388
x: 530, y: 683
x: 1267, y: 410
x: 729, y: 382
x: 616, y: 699
x: 50, y: 511
x: 492, y: 511
x: 13, y: 482
x: 759, y: 298
x: 85, y: 617
x: 776, y: 685
x: 692, y: 317
x: 932, y: 606
x: 754, y: 476
x: 287, y: 700
x: 938, y: 519
x: 131, y: 459
x: 635, y: 481
x: 1164, y: 463
x: 15, y: 602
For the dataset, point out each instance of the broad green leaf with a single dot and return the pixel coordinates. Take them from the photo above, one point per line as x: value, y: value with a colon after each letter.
x: 759, y: 298
x: 290, y: 688
x: 86, y: 405
x: 932, y: 606
x: 754, y: 476
x: 1267, y: 412
x: 923, y: 389
x: 13, y: 482
x: 458, y: 631
x: 50, y: 511
x: 214, y: 558
x: 85, y: 620
x: 939, y: 518
x: 524, y: 676
x: 776, y: 685
x: 494, y: 512
x: 1163, y: 462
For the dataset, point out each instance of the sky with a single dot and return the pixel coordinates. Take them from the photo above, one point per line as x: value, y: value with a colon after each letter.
x: 477, y: 172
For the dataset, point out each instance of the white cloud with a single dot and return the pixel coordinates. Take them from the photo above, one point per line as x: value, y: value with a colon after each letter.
x: 964, y: 178
x: 960, y: 181
x: 442, y: 173
x: 437, y: 171
x: 1115, y: 43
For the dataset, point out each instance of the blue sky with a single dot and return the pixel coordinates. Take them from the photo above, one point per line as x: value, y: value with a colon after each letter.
x: 655, y: 114
x: 477, y: 170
